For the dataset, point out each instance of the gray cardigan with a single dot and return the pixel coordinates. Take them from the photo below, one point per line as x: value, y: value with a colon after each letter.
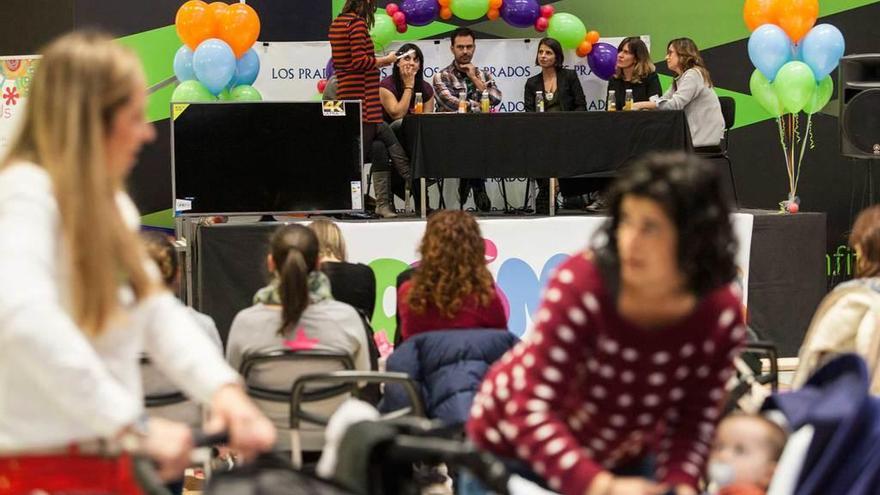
x: 700, y: 105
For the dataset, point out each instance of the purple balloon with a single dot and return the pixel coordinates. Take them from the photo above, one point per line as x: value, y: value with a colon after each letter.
x: 329, y: 69
x: 520, y: 13
x: 603, y: 60
x: 420, y: 12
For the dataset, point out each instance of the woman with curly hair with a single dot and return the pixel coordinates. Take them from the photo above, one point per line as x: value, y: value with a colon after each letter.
x: 451, y: 288
x: 632, y: 347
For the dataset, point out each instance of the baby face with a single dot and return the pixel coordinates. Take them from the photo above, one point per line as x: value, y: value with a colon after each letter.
x: 745, y: 444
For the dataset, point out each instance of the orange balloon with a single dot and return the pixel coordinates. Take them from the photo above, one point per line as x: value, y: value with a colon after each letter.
x: 758, y: 12
x: 194, y: 23
x: 446, y: 13
x: 493, y: 14
x: 240, y: 27
x: 584, y: 49
x: 797, y: 17
x: 217, y: 10
x: 443, y: 3
x: 495, y: 4
x: 592, y: 37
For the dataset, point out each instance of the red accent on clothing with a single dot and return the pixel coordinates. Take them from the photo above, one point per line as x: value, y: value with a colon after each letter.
x: 355, y: 63
x: 588, y: 391
x: 67, y: 474
x: 471, y: 315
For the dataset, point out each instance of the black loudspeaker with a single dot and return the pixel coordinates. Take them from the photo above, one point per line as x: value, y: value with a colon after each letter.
x: 859, y: 83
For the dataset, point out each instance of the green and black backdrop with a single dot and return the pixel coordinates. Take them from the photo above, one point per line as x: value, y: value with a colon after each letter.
x: 829, y: 183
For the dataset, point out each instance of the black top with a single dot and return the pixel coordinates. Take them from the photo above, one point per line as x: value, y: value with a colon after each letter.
x: 642, y: 91
x: 352, y: 283
x: 568, y: 88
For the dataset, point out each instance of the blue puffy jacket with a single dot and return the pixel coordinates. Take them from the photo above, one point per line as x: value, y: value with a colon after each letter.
x: 448, y: 366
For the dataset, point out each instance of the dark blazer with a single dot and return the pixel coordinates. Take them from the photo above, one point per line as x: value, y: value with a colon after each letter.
x: 567, y: 85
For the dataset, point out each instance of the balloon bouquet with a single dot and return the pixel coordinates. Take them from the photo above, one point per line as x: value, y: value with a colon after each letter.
x: 566, y: 28
x: 216, y: 61
x: 793, y: 60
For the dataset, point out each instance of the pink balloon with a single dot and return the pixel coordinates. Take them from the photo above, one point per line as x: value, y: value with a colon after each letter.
x: 541, y: 24
x: 547, y: 11
x: 392, y: 9
x: 399, y: 18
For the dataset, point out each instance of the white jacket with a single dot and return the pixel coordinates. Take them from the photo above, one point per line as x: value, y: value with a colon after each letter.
x: 58, y: 386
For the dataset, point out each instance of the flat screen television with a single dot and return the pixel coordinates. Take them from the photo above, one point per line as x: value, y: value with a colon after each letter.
x: 233, y: 158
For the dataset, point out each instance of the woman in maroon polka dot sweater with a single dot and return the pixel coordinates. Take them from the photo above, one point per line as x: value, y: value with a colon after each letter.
x: 632, y: 346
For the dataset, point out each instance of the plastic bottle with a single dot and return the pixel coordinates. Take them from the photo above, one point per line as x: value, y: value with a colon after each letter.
x: 539, y: 101
x: 612, y: 102
x: 418, y: 106
x: 462, y: 102
x: 485, y: 105
x: 628, y: 105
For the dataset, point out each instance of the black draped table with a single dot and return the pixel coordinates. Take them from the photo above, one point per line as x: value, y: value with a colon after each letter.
x: 537, y: 145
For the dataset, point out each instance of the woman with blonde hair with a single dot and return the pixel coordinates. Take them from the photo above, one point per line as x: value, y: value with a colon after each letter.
x: 351, y: 283
x: 451, y: 288
x: 848, y: 319
x: 79, y: 299
x: 692, y: 92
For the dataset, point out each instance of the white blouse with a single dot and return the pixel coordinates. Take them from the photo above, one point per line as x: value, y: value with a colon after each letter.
x: 57, y: 385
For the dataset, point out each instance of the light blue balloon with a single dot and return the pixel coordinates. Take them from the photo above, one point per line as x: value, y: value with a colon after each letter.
x: 769, y: 49
x: 183, y: 64
x: 246, y: 69
x: 822, y: 48
x: 214, y: 64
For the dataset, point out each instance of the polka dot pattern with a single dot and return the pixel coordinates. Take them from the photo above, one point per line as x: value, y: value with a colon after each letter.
x: 586, y: 390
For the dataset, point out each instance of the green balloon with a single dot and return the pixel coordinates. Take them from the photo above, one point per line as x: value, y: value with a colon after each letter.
x: 469, y: 10
x: 383, y: 31
x: 762, y: 90
x: 245, y: 93
x: 567, y: 29
x: 795, y: 85
x: 192, y: 91
x: 225, y: 95
x: 821, y: 96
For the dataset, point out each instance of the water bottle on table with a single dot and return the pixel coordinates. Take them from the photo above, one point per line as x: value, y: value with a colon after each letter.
x: 462, y: 102
x: 418, y: 106
x: 612, y: 101
x: 539, y: 101
x: 485, y: 106
x: 628, y: 104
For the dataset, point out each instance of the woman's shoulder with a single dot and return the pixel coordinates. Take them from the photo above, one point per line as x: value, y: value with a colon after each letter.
x: 25, y: 176
x: 580, y: 270
x: 534, y: 79
x: 388, y: 83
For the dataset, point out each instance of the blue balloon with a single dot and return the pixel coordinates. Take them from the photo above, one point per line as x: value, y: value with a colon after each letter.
x: 822, y: 48
x: 769, y: 49
x: 246, y: 69
x: 214, y: 64
x: 183, y: 64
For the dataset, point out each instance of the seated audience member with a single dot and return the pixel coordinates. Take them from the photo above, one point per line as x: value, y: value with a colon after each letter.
x: 561, y: 91
x: 297, y: 311
x: 161, y: 250
x: 462, y: 76
x: 692, y: 92
x: 451, y: 288
x: 744, y: 454
x: 632, y: 346
x: 848, y: 319
x: 351, y: 283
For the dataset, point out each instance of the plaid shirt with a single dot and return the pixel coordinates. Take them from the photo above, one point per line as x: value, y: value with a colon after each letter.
x: 449, y: 82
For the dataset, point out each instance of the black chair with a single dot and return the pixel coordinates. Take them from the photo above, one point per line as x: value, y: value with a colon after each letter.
x: 318, y: 387
x: 269, y: 377
x: 162, y: 399
x: 728, y: 111
x: 750, y: 372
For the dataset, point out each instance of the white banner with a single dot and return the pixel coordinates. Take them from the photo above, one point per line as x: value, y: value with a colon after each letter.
x: 290, y: 71
x: 521, y: 254
x: 16, y: 74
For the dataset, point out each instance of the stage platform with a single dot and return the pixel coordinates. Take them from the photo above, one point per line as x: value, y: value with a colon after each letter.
x: 781, y: 258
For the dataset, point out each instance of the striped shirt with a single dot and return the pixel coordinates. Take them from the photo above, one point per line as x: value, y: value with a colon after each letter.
x: 355, y: 64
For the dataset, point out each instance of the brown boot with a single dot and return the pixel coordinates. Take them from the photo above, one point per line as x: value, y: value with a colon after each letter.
x: 382, y: 187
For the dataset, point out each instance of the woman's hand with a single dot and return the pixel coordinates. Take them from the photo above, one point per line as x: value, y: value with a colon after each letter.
x: 644, y: 105
x: 386, y: 60
x: 169, y: 444
x: 250, y: 432
x: 408, y: 75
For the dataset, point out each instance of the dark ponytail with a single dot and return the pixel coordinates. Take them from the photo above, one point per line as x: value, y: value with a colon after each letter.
x: 295, y: 253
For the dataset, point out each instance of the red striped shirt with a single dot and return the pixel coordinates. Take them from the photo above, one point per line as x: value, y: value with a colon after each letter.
x: 355, y: 64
